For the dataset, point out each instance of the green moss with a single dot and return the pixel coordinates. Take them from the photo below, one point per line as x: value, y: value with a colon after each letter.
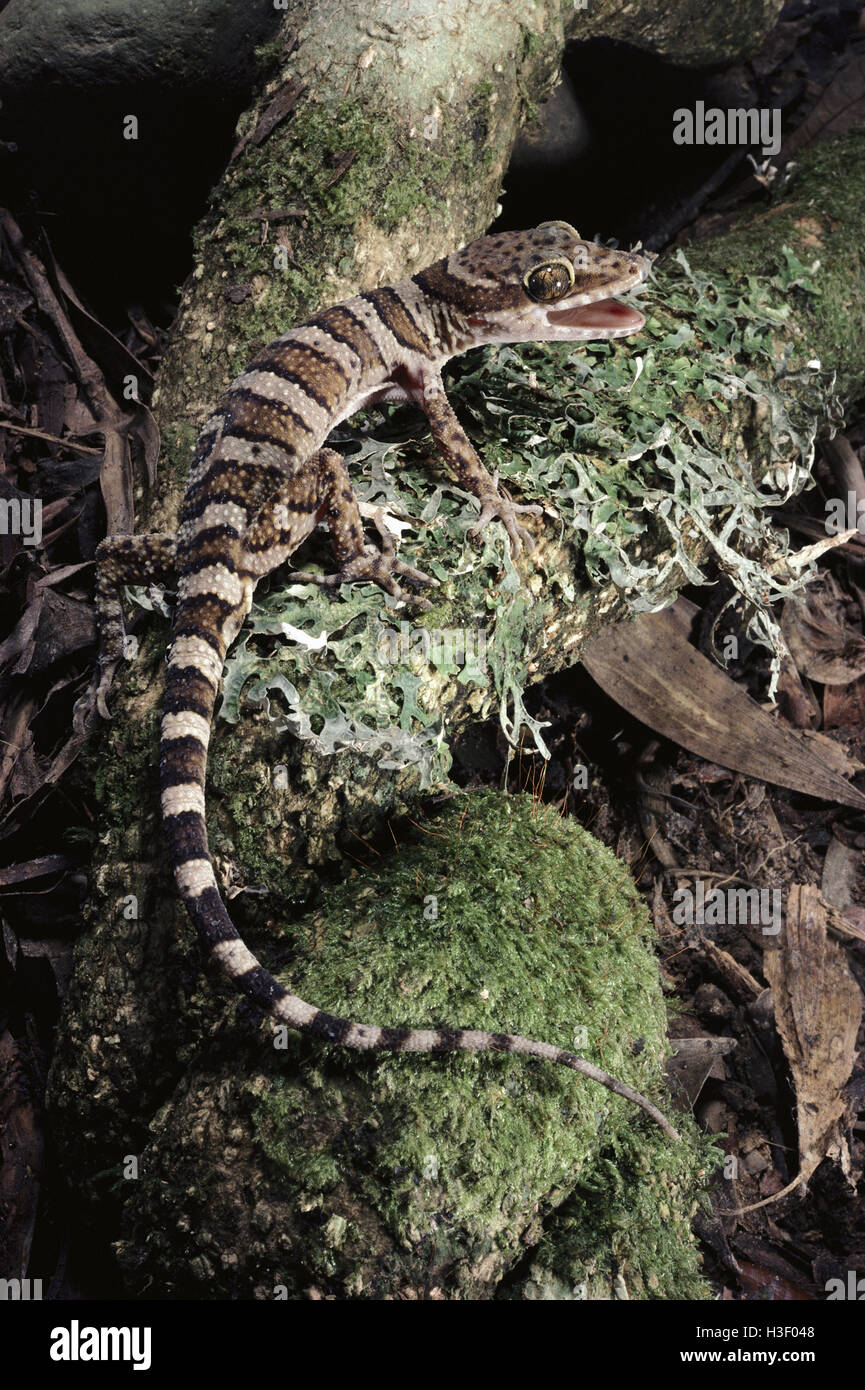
x: 625, y: 1231
x: 120, y: 759
x: 500, y: 915
x: 297, y: 166
x: 821, y: 217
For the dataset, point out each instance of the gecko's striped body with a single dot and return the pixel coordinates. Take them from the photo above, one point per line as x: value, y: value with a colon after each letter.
x: 260, y: 482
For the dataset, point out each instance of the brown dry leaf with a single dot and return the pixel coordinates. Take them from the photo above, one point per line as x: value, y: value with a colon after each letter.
x: 65, y: 627
x: 116, y: 359
x: 649, y: 668
x: 117, y: 483
x: 840, y: 873
x: 46, y: 865
x: 769, y: 1286
x: 844, y: 706
x: 830, y: 752
x: 19, y: 645
x: 823, y: 645
x: 818, y: 1009
x: 693, y: 1061
x: 342, y: 163
x: 277, y: 109
x: 113, y: 422
x: 796, y: 700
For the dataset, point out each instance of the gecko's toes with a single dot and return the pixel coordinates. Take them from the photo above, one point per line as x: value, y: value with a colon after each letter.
x: 93, y: 698
x: 102, y: 707
x: 374, y: 566
x: 406, y: 571
x: 500, y: 507
x: 520, y: 537
x: 416, y: 600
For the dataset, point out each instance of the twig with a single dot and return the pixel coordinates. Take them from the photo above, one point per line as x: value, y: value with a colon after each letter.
x: 52, y: 438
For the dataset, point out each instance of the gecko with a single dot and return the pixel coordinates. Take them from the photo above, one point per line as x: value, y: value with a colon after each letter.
x: 262, y: 478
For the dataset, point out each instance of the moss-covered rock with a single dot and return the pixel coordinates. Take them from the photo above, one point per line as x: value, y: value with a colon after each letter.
x: 295, y: 1170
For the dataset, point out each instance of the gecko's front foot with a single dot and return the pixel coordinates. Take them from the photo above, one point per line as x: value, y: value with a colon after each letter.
x: 377, y: 567
x: 498, y: 505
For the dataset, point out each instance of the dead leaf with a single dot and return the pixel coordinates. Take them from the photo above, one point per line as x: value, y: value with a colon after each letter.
x: 768, y: 1286
x: 18, y: 646
x: 117, y: 484
x: 342, y: 162
x: 65, y: 627
x: 694, y: 1060
x: 35, y: 868
x: 649, y: 668
x: 850, y: 545
x: 281, y: 105
x: 734, y: 973
x: 818, y: 1010
x: 823, y: 645
x: 796, y: 700
x: 844, y: 706
x: 840, y: 870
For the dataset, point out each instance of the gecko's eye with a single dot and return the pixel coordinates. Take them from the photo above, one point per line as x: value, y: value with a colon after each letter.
x: 549, y: 281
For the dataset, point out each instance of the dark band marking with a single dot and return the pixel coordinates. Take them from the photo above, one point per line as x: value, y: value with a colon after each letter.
x: 233, y: 494
x: 338, y: 323
x: 247, y: 405
x: 393, y: 313
x: 210, y: 536
x: 392, y: 1039
x: 437, y: 282
x: 186, y: 834
x: 260, y: 986
x: 365, y: 336
x: 253, y: 434
x: 209, y: 432
x: 211, y: 918
x: 285, y: 373
x: 192, y: 627
x: 327, y: 1027
x: 187, y: 690
x: 194, y: 560
x: 285, y: 352
x: 182, y: 760
x: 320, y: 322
x: 229, y: 481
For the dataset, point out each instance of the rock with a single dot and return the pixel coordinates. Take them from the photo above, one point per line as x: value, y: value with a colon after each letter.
x: 97, y: 43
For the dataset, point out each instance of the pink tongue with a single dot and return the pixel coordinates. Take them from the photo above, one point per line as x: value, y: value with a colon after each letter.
x: 604, y: 313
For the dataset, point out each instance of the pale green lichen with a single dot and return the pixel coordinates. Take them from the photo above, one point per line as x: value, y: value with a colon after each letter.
x: 671, y: 454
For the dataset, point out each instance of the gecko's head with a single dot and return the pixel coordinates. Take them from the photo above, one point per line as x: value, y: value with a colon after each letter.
x: 542, y: 285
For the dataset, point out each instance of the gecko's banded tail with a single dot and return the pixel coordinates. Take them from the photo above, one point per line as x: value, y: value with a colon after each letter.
x: 194, y: 671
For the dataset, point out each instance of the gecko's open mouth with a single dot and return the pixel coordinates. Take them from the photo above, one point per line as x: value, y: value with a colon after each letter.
x: 605, y: 316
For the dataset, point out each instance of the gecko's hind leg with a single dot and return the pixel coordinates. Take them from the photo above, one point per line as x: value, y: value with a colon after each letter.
x: 122, y: 560
x: 371, y: 564
x: 277, y: 532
